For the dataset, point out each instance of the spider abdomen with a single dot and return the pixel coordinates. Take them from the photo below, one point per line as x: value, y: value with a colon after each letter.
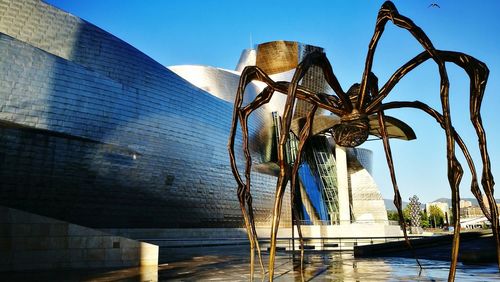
x: 351, y: 133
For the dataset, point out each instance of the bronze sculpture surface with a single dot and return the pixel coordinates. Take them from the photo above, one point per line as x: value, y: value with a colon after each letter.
x: 354, y: 108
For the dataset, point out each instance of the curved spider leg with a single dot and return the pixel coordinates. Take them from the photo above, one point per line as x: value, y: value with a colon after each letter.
x: 319, y: 58
x: 478, y: 73
x: 439, y: 119
x: 305, y: 133
x: 241, y: 192
x: 373, y: 85
x: 263, y: 98
x: 283, y: 176
x: 490, y: 214
x: 397, y: 195
x: 248, y: 196
x: 249, y: 74
x: 389, y: 12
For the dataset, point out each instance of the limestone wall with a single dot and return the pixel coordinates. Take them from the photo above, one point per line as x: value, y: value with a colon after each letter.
x: 29, y: 241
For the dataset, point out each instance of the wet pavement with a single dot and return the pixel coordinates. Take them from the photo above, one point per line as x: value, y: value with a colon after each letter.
x: 231, y: 264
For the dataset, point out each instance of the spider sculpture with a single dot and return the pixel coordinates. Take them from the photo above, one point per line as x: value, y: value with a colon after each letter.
x: 354, y: 107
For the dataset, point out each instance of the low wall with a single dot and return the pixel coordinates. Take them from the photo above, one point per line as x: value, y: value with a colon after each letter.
x: 29, y: 241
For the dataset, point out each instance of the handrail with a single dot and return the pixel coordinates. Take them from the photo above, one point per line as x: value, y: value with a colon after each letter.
x: 264, y: 239
x: 327, y: 222
x: 337, y: 244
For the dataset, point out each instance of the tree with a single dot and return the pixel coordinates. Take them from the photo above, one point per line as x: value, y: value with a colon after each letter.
x: 436, y: 217
x: 407, y: 215
x: 424, y: 219
x: 393, y: 215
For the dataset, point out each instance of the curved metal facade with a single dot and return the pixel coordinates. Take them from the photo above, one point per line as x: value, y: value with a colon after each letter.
x: 94, y: 132
x: 97, y: 133
x: 224, y: 84
x: 367, y: 202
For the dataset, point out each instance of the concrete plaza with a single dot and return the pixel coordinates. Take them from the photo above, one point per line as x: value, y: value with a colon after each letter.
x: 230, y: 263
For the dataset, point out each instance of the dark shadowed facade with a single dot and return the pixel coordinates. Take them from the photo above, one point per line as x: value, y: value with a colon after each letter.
x: 94, y: 132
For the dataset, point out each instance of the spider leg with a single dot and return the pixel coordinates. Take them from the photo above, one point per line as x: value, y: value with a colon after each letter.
x: 301, y: 70
x: 241, y: 186
x: 389, y: 12
x: 249, y: 74
x: 246, y: 196
x: 478, y: 73
x: 319, y: 58
x: 458, y: 172
x: 397, y: 195
x: 439, y: 118
x: 305, y: 133
x: 263, y: 98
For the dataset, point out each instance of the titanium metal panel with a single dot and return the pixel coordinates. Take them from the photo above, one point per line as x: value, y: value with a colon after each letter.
x: 277, y: 56
x: 118, y: 140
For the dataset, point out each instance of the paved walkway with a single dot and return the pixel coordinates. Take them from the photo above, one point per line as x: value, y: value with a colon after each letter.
x: 231, y: 264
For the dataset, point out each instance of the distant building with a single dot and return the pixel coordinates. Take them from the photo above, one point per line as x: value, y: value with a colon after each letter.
x: 474, y: 211
x: 471, y: 211
x: 465, y: 204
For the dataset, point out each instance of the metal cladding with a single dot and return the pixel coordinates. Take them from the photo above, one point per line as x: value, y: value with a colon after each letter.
x: 223, y: 84
x: 97, y: 133
x: 278, y: 58
x: 94, y: 132
x: 367, y: 202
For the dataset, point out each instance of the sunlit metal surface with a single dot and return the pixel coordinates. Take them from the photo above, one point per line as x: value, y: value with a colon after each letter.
x: 116, y: 140
x: 223, y: 84
x: 248, y: 58
x: 277, y: 56
x: 219, y: 82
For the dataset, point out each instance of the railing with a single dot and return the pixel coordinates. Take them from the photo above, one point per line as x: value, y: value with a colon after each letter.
x: 331, y: 243
x: 327, y: 222
x: 283, y: 244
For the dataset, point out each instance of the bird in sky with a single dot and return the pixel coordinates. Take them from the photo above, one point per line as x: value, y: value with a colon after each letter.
x: 433, y: 5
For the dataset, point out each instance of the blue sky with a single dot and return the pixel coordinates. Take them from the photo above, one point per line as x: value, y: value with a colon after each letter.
x: 215, y: 32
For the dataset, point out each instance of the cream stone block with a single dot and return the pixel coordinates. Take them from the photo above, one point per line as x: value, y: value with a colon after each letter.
x: 148, y: 254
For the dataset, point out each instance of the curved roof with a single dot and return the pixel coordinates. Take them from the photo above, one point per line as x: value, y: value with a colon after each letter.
x: 221, y: 83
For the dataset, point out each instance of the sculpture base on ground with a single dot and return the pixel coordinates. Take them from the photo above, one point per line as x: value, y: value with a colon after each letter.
x: 416, y: 230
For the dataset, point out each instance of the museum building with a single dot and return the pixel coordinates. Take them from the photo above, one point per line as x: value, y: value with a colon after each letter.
x: 95, y: 132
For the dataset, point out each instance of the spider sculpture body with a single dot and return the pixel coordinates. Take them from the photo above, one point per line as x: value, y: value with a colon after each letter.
x: 354, y: 107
